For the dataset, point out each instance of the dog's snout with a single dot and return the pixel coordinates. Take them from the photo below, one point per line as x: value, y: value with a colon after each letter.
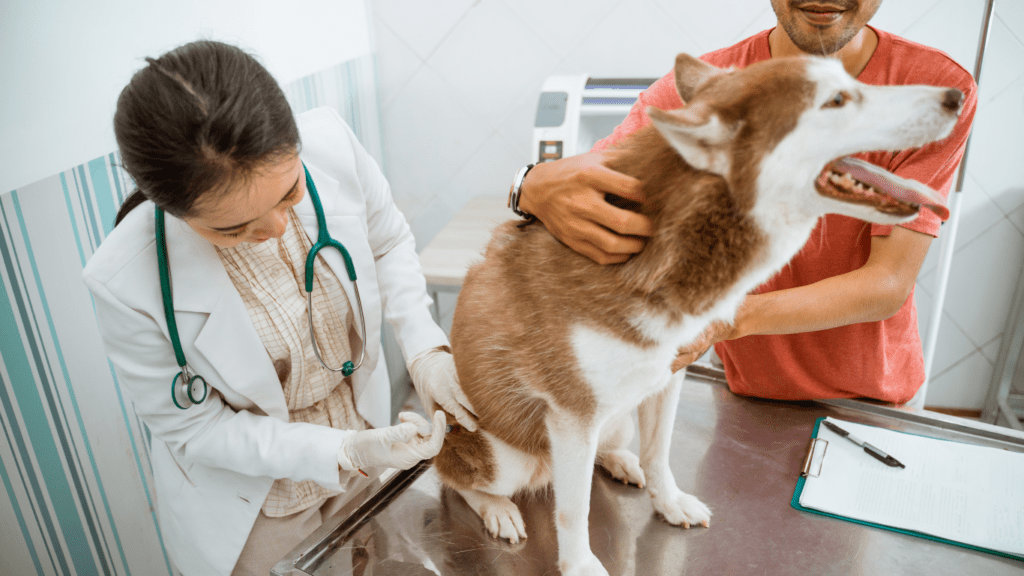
x: 952, y: 99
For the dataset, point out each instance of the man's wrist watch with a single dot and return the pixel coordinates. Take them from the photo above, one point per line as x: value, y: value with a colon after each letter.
x: 513, y: 193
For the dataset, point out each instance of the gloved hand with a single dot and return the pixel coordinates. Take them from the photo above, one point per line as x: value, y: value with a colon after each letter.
x: 400, y: 446
x: 433, y: 376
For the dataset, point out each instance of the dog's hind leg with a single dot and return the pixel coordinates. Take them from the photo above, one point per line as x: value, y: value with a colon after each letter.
x: 500, y: 515
x: 573, y: 451
x: 486, y: 471
x: 614, y: 457
x: 657, y: 415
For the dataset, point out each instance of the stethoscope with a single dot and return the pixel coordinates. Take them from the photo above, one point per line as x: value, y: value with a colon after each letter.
x: 187, y: 388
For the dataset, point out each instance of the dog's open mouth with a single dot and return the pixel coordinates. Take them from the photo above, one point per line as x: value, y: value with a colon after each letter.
x: 859, y: 182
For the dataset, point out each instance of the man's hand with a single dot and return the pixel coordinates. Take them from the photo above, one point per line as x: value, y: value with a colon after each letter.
x: 689, y: 354
x: 568, y: 197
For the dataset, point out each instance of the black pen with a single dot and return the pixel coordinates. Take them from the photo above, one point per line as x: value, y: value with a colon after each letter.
x: 881, y: 456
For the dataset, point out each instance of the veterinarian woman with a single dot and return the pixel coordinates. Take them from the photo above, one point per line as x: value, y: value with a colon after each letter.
x: 279, y: 442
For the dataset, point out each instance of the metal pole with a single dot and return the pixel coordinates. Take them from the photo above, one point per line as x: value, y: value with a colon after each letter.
x: 949, y: 237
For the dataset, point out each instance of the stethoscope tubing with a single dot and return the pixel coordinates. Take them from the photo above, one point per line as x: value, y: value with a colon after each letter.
x: 184, y: 383
x: 347, y: 368
x: 324, y: 240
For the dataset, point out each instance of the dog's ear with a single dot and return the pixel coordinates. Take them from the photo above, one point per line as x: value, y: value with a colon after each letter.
x: 690, y: 73
x: 698, y: 134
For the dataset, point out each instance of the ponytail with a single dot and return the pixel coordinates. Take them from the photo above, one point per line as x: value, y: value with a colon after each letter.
x: 129, y: 204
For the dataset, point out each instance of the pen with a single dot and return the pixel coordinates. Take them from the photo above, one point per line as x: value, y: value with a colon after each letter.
x: 881, y: 456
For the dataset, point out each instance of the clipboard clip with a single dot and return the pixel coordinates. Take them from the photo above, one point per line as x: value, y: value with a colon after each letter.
x: 812, y: 449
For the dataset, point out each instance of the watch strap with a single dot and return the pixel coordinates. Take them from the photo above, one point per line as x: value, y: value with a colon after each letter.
x: 513, y: 193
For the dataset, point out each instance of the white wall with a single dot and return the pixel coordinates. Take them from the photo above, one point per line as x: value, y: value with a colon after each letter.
x: 63, y: 64
x: 459, y: 81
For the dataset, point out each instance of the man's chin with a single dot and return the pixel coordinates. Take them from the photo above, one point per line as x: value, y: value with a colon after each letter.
x: 820, y: 40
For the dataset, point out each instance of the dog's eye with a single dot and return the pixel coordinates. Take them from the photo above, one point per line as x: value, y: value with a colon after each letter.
x: 838, y: 100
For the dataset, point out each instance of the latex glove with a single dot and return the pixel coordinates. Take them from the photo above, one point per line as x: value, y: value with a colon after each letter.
x: 433, y: 376
x: 400, y: 446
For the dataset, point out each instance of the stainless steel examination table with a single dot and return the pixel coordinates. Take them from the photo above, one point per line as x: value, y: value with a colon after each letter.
x: 740, y: 456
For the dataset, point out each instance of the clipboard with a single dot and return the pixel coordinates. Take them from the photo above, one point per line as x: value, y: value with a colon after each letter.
x: 810, y: 469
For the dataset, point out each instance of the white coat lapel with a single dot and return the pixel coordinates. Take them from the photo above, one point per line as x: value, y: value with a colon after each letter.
x: 227, y: 342
x: 197, y: 275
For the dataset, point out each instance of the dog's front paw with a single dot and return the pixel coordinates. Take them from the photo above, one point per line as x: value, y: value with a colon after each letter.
x: 624, y: 466
x: 503, y: 520
x: 680, y: 508
x: 588, y: 566
x: 500, y: 515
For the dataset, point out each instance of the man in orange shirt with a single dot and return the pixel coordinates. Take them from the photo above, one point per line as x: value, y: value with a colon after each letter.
x: 839, y: 320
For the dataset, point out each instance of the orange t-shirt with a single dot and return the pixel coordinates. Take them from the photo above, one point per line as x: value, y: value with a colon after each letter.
x: 881, y: 360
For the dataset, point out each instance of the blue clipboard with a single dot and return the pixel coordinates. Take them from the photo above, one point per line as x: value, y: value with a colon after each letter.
x: 795, y: 502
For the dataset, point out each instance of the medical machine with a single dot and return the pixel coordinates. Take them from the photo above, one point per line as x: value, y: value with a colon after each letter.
x: 574, y: 112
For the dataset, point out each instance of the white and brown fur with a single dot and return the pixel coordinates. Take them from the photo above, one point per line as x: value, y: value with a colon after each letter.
x: 555, y: 351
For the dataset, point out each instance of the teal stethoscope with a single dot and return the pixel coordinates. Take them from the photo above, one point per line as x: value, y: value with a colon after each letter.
x: 188, y: 389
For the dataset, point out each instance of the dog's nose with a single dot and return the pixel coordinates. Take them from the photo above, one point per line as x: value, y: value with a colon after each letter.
x: 952, y: 99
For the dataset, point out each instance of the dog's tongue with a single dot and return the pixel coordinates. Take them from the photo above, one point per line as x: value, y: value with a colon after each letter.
x: 902, y: 189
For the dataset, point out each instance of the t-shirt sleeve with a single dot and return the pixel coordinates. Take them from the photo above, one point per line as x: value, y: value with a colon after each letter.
x: 662, y: 94
x: 935, y: 165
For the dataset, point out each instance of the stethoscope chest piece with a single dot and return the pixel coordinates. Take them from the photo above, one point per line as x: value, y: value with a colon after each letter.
x: 187, y: 390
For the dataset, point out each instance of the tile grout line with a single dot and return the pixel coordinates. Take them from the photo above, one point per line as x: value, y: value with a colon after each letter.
x: 1013, y: 34
x: 593, y: 28
x: 408, y: 78
x: 1020, y: 43
x: 519, y: 17
x: 745, y: 31
x: 919, y: 18
x: 448, y: 34
x: 931, y: 379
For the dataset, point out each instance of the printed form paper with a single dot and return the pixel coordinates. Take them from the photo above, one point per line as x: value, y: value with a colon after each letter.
x: 961, y: 492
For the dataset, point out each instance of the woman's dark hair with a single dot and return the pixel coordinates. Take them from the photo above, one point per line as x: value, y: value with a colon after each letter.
x: 196, y: 120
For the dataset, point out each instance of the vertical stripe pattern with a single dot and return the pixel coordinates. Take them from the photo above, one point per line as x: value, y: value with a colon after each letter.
x: 74, y: 457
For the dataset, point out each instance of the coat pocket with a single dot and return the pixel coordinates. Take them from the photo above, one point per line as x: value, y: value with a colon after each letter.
x: 184, y: 473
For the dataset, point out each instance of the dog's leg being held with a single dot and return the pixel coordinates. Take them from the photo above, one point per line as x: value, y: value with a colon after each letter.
x: 657, y: 414
x: 573, y: 451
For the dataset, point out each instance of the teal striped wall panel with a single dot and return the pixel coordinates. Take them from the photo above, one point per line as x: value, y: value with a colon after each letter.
x: 74, y: 458
x: 351, y: 89
x: 69, y: 439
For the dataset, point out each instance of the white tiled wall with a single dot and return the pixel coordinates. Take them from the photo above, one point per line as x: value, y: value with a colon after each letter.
x: 459, y: 81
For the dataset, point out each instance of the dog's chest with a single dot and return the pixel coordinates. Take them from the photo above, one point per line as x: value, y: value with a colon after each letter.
x: 620, y: 373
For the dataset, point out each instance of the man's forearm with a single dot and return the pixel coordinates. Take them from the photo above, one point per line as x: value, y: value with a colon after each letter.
x: 871, y: 293
x: 833, y: 302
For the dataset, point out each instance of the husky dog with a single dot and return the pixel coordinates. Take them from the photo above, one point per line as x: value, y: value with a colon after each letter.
x: 555, y: 351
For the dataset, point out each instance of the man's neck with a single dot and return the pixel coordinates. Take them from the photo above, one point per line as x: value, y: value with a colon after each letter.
x: 854, y: 56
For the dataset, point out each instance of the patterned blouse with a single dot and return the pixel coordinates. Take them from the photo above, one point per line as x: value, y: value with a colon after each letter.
x: 270, y: 278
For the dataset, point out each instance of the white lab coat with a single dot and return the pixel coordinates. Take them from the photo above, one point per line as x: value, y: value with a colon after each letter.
x: 213, y: 464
